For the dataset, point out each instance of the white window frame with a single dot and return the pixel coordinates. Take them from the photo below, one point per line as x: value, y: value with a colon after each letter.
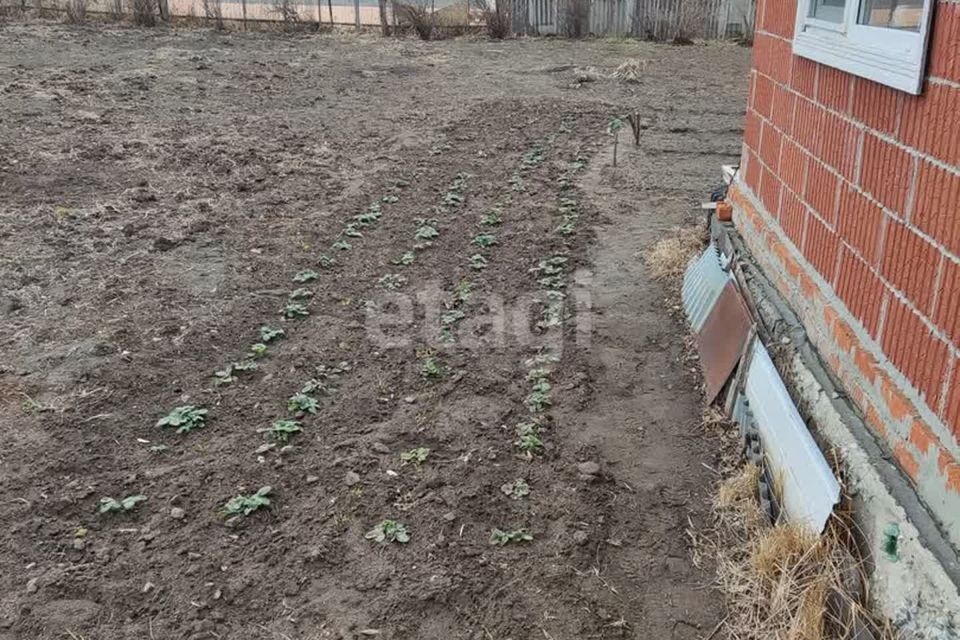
x: 891, y: 57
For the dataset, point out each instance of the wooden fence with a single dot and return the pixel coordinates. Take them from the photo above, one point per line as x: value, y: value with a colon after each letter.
x: 652, y: 19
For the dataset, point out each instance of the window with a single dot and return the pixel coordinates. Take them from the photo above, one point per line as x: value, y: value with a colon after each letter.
x: 882, y: 40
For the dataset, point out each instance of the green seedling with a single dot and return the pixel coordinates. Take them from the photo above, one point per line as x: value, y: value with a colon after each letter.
x: 478, y: 262
x: 553, y: 265
x: 341, y: 245
x: 293, y: 310
x: 326, y: 261
x: 301, y: 294
x: 305, y: 276
x: 109, y: 505
x: 388, y: 531
x: 351, y: 231
x: 485, y: 240
x: 185, y: 419
x: 243, y: 367
x: 430, y: 368
x: 157, y: 448
x: 568, y: 228
x: 460, y: 182
x: 453, y: 199
x: 491, y: 219
x: 400, y: 183
x: 451, y: 317
x: 462, y: 292
x: 426, y: 229
x: 539, y: 398
x: 225, y: 376
x: 302, y: 403
x: 501, y: 538
x: 417, y: 456
x: 283, y: 430
x: 245, y: 505
x: 528, y: 439
x: 516, y: 183
x: 390, y: 199
x: 268, y: 334
x: 552, y: 282
x: 406, y: 259
x: 532, y: 158
x: 392, y: 281
x: 517, y: 490
x: 258, y: 350
x: 578, y: 164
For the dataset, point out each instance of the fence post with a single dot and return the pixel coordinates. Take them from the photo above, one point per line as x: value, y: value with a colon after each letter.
x: 356, y: 11
x: 243, y: 7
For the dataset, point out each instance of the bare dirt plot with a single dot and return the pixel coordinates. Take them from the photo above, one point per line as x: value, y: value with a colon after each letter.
x: 160, y: 190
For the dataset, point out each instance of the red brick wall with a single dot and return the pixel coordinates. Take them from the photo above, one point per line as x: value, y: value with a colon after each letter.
x: 861, y: 184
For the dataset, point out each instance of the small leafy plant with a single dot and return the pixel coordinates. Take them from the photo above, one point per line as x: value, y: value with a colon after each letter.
x: 293, y: 310
x: 390, y: 199
x: 430, y: 368
x: 305, y: 276
x: 417, y: 456
x: 341, y: 245
x: 392, y: 281
x: 302, y: 403
x: 528, y: 439
x: 350, y: 231
x: 326, y: 261
x: 301, y: 294
x: 406, y: 259
x: 478, y: 262
x: 539, y: 398
x: 532, y: 158
x: 491, y: 219
x: 258, y: 350
x: 388, y: 531
x: 517, y: 489
x: 225, y: 375
x: 485, y: 240
x: 268, y: 334
x: 109, y: 505
x: 245, y: 505
x: 463, y: 290
x: 516, y: 183
x: 500, y: 538
x: 185, y: 419
x: 426, y: 229
x: 283, y: 430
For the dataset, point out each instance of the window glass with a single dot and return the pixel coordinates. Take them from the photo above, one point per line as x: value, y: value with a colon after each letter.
x: 829, y: 10
x: 892, y: 14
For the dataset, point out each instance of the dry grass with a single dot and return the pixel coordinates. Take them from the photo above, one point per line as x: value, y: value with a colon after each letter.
x: 783, y: 582
x: 630, y: 71
x: 671, y: 254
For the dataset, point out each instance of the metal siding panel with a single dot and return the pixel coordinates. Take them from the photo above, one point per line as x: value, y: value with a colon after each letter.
x: 808, y: 489
x: 702, y: 284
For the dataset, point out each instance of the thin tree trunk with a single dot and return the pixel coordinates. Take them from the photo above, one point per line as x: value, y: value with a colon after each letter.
x: 356, y: 13
x: 330, y: 11
x: 243, y: 6
x: 384, y: 25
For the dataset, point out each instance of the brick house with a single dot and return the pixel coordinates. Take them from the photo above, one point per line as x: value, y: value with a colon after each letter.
x: 848, y: 195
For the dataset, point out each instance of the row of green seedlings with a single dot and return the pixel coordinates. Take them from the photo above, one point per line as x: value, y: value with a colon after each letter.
x: 187, y: 418
x: 484, y: 240
x: 426, y: 231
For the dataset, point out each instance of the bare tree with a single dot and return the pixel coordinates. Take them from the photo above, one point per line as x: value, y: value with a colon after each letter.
x: 76, y: 11
x: 116, y: 10
x: 213, y: 10
x: 420, y: 16
x: 497, y: 17
x: 288, y: 13
x: 384, y: 24
x: 144, y: 13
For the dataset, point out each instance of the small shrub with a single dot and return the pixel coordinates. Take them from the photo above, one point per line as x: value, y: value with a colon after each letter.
x: 76, y: 11
x: 420, y: 16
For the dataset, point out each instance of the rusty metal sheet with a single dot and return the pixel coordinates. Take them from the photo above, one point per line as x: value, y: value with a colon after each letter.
x: 722, y: 339
x: 702, y: 284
